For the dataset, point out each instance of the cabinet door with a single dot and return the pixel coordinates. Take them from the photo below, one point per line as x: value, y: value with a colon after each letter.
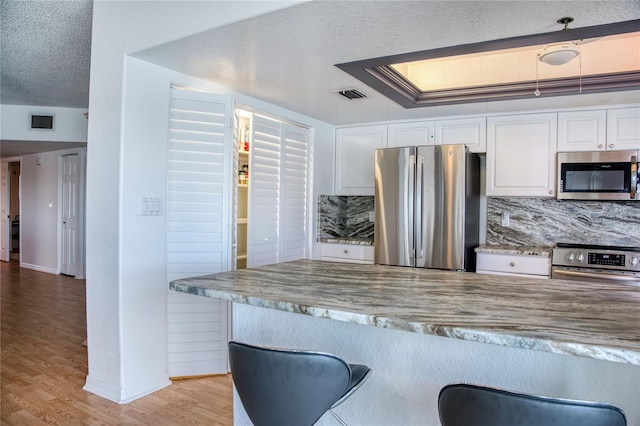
x: 582, y: 131
x: 521, y: 155
x: 416, y: 133
x: 347, y: 253
x: 623, y: 128
x: 471, y: 132
x: 514, y: 265
x: 355, y: 147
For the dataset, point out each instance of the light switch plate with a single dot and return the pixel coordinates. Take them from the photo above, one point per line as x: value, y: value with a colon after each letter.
x: 150, y: 206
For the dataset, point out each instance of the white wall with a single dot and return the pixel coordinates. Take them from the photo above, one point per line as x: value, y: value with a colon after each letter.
x: 126, y: 289
x: 40, y: 210
x: 70, y: 125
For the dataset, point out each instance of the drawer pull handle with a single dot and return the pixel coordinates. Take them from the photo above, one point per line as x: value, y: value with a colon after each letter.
x: 512, y: 263
x: 345, y: 251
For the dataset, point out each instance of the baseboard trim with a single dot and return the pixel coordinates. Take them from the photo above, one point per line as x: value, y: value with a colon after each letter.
x: 124, y: 396
x: 39, y: 268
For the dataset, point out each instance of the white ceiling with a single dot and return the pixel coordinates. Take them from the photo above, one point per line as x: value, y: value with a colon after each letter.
x: 45, y: 51
x: 287, y: 57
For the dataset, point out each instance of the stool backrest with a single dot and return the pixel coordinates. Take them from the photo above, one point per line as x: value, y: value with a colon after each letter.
x: 284, y: 387
x: 465, y: 404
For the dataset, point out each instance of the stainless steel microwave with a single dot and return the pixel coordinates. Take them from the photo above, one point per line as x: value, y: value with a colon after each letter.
x: 600, y: 175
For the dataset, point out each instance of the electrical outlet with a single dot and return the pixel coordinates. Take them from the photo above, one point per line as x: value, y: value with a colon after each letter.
x: 372, y: 216
x: 505, y: 220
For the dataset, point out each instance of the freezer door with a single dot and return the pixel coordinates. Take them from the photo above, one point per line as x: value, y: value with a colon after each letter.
x: 440, y: 239
x: 394, y: 203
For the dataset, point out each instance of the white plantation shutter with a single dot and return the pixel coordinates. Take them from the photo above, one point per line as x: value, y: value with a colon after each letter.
x: 278, y: 185
x: 264, y: 184
x: 294, y: 193
x: 197, y: 229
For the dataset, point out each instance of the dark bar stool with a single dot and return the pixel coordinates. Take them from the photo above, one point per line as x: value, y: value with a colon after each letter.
x: 287, y: 387
x: 469, y: 405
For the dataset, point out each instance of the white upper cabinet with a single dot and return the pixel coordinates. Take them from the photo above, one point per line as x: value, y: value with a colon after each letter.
x: 415, y: 133
x: 471, y: 132
x: 599, y: 130
x: 623, y: 128
x: 355, y: 147
x: 521, y: 155
x: 582, y: 131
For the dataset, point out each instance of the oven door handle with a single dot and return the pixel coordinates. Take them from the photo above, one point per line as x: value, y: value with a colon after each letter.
x: 596, y: 276
x: 634, y: 178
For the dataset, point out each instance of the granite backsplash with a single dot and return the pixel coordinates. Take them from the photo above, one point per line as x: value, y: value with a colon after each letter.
x: 341, y: 216
x: 533, y: 222
x: 545, y: 222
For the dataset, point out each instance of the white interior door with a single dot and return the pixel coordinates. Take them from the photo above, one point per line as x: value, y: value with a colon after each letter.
x: 70, y: 208
x: 198, y: 229
x: 5, y: 233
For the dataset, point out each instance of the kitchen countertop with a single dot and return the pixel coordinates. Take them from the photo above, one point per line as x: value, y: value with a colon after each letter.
x: 547, y: 315
x: 515, y: 250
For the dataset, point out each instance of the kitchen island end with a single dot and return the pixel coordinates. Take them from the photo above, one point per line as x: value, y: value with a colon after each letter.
x: 396, y: 319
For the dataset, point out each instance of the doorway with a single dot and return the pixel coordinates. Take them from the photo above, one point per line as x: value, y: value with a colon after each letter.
x: 14, y: 209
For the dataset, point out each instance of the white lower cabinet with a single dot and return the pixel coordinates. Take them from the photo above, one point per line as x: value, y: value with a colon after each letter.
x: 521, y: 155
x: 347, y: 253
x: 514, y: 265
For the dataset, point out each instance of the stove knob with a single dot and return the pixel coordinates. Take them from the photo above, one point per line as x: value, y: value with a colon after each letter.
x: 571, y: 257
x: 580, y: 257
x: 633, y: 261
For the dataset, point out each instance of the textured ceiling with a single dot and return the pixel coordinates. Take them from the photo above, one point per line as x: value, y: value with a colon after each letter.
x: 45, y: 52
x: 288, y: 57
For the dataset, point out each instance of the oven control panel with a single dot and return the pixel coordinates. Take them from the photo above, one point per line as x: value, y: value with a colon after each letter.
x: 606, y: 259
x: 592, y: 258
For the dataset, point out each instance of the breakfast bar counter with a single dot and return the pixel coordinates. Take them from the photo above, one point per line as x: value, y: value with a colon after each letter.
x: 420, y: 329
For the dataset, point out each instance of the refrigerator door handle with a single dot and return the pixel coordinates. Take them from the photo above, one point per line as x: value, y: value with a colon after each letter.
x: 410, y: 211
x: 417, y: 237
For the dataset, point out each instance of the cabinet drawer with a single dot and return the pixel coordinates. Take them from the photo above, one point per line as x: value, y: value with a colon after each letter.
x: 513, y: 264
x: 347, y: 253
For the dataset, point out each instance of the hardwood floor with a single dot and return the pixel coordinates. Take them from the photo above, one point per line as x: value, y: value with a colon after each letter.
x: 44, y: 365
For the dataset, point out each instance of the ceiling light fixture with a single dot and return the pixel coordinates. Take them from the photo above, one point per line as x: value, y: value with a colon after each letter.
x: 559, y: 54
x: 562, y: 53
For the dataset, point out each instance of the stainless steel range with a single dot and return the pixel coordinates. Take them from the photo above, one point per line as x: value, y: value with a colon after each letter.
x: 596, y: 263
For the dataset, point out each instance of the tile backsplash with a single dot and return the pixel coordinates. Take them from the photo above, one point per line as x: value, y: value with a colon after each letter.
x: 544, y: 222
x: 341, y: 216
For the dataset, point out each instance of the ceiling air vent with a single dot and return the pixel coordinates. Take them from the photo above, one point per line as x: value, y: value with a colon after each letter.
x: 351, y: 93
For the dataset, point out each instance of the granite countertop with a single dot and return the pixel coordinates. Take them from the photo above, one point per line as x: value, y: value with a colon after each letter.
x: 348, y: 240
x: 516, y: 250
x: 547, y: 315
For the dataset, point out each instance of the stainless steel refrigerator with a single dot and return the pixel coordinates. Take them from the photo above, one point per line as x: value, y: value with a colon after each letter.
x: 427, y: 207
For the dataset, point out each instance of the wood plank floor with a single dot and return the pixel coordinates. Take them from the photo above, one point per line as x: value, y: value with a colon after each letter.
x: 43, y: 365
